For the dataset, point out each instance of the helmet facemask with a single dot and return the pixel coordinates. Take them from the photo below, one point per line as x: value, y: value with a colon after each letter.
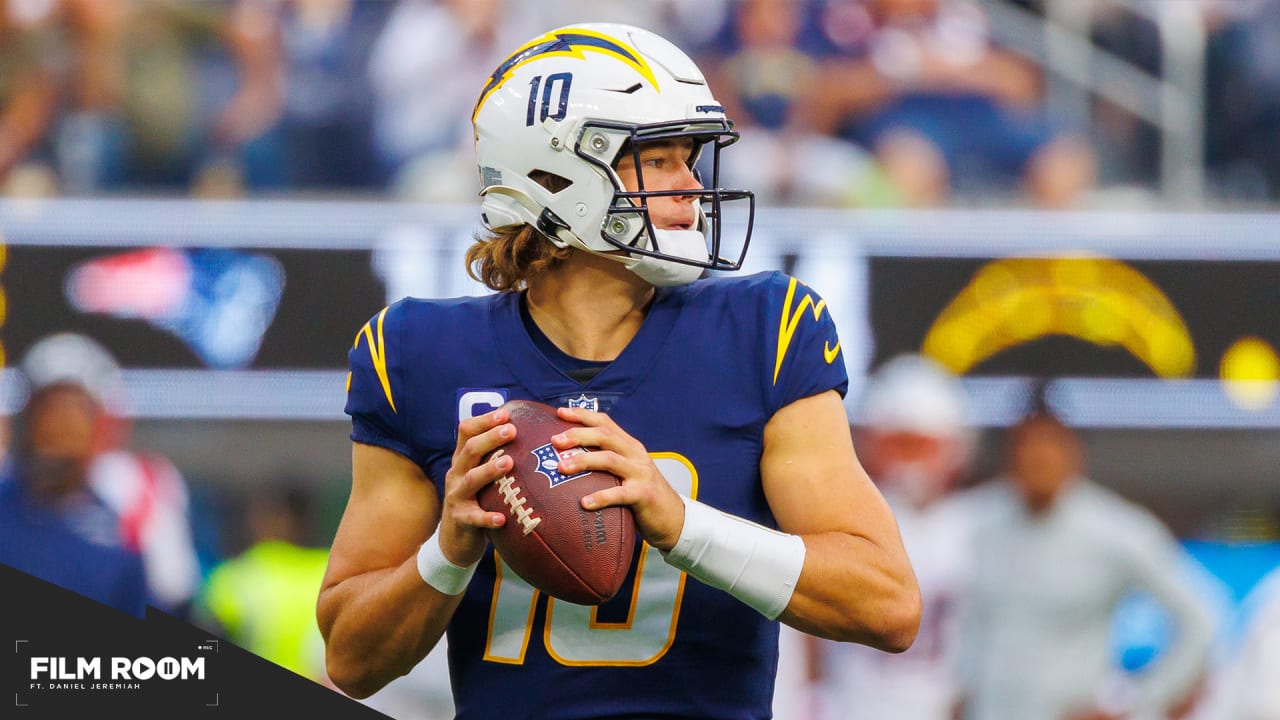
x: 667, y: 257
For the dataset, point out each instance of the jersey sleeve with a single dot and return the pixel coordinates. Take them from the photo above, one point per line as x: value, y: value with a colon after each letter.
x: 375, y: 400
x: 804, y: 356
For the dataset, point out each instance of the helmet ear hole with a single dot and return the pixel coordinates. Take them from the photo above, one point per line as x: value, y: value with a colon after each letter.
x: 554, y: 183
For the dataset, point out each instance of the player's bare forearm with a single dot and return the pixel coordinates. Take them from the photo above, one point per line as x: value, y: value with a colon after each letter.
x: 380, y: 624
x: 855, y: 591
x: 377, y: 616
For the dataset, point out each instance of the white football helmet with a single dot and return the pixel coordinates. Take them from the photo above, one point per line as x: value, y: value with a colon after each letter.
x: 913, y: 393
x: 553, y: 120
x: 77, y: 359
x: 916, y: 428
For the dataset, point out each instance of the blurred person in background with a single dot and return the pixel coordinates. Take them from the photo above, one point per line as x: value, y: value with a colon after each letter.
x: 34, y: 57
x: 913, y: 431
x: 322, y: 134
x: 425, y: 66
x: 921, y: 84
x: 768, y: 73
x: 263, y: 598
x: 118, y: 90
x: 198, y: 85
x: 1242, y: 112
x: 145, y: 491
x: 1128, y: 146
x: 1055, y: 553
x: 51, y: 525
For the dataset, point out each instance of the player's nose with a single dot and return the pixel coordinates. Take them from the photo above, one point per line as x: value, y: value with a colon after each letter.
x: 687, y: 179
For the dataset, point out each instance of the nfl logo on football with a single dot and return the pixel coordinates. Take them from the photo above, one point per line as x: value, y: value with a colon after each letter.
x: 549, y: 460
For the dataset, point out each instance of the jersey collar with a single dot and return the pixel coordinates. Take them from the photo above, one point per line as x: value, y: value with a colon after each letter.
x: 541, y: 376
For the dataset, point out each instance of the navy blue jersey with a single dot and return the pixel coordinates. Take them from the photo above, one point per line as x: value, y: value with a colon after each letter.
x: 711, y: 364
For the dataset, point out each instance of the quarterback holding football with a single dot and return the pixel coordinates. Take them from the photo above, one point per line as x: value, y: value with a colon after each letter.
x: 714, y: 400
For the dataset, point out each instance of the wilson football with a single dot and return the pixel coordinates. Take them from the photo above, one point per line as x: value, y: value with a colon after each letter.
x: 548, y: 539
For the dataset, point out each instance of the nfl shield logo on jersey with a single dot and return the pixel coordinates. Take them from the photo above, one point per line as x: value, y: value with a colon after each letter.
x: 549, y: 460
x: 584, y: 402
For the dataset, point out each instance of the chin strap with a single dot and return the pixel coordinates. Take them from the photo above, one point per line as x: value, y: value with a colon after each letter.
x: 687, y: 244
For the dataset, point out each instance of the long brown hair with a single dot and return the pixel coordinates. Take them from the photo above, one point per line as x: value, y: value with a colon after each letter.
x: 505, y: 260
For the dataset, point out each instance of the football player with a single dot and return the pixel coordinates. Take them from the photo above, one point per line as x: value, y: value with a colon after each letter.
x: 718, y: 401
x: 913, y: 431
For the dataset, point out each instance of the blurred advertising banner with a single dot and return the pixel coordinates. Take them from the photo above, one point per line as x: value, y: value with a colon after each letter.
x: 1148, y: 319
x: 217, y: 308
x: 1079, y: 316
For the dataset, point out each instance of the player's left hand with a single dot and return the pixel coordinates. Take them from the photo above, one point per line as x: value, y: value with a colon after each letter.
x: 658, y: 509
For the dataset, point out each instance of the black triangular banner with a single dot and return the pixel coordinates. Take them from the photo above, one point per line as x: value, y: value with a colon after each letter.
x: 66, y: 655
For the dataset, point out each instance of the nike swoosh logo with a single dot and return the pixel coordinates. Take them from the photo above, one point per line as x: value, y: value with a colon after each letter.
x: 829, y: 353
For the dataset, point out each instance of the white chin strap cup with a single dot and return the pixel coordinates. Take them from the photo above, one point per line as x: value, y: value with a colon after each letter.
x: 687, y: 244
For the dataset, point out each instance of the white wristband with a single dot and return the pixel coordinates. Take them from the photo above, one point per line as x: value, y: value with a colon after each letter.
x: 757, y: 565
x: 438, y: 572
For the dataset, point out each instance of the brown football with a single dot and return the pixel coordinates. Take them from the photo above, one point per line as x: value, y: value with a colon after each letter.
x: 548, y: 539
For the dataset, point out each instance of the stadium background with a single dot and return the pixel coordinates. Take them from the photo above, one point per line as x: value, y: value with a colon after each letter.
x: 230, y: 275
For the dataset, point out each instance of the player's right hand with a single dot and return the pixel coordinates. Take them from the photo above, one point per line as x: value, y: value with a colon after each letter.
x: 657, y: 508
x: 462, y: 521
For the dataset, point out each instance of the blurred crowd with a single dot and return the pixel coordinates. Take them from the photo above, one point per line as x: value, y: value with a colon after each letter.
x: 845, y: 103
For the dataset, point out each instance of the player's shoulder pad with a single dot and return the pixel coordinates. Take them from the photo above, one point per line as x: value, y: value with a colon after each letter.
x: 376, y: 343
x: 401, y: 335
x: 803, y: 323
